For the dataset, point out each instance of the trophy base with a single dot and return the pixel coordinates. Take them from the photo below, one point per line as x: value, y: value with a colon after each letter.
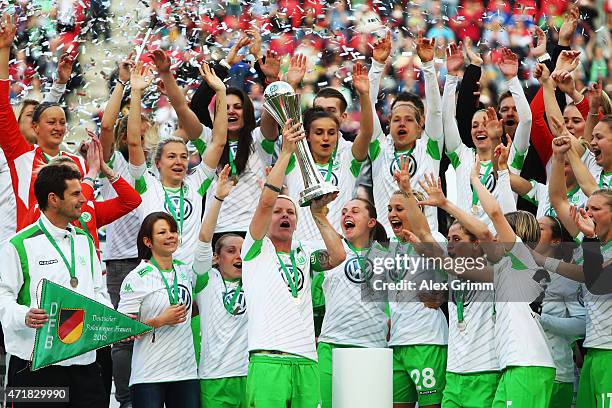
x: 314, y: 192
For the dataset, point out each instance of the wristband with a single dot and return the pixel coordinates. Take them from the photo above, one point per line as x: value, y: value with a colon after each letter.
x: 273, y: 188
x: 113, y: 177
x: 90, y: 179
x: 124, y: 83
x: 543, y: 58
x: 217, y: 198
x: 551, y: 264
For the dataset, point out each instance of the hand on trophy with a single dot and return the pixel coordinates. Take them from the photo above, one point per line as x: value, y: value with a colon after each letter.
x: 292, y: 133
x: 319, y: 205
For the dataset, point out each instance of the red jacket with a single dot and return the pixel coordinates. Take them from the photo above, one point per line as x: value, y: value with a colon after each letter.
x: 541, y: 138
x: 23, y: 159
x: 96, y: 214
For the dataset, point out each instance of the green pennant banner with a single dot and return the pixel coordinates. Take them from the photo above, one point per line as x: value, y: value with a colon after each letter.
x: 76, y: 325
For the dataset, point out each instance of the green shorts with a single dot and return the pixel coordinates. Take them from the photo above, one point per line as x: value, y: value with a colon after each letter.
x: 280, y: 381
x: 227, y: 392
x: 324, y: 351
x: 562, y: 395
x: 419, y: 374
x: 595, y: 389
x: 525, y: 387
x: 481, y: 386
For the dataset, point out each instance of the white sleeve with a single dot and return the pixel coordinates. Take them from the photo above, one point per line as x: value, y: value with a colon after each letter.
x: 564, y: 326
x: 202, y: 260
x: 505, y: 196
x: 523, y: 130
x: 375, y: 76
x: 202, y: 177
x: 137, y: 171
x: 132, y: 294
x: 452, y: 138
x: 55, y: 93
x: 433, y: 118
x: 12, y: 314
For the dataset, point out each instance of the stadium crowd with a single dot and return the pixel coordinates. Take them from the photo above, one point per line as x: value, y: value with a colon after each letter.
x: 454, y: 129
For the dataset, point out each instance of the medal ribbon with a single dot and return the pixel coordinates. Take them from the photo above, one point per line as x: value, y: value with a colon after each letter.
x: 173, y: 209
x: 360, y: 260
x: 459, y: 306
x: 70, y: 266
x: 233, y: 171
x: 483, y: 180
x: 229, y: 306
x: 173, y: 298
x: 291, y: 280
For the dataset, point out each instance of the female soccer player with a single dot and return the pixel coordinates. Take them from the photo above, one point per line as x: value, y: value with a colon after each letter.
x: 350, y: 320
x: 224, y: 355
x: 159, y: 292
x: 338, y: 166
x: 406, y: 138
x: 176, y: 192
x: 486, y: 135
x: 419, y: 332
x: 277, y: 278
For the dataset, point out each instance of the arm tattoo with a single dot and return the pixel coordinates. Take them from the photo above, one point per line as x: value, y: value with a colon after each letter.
x: 319, y: 261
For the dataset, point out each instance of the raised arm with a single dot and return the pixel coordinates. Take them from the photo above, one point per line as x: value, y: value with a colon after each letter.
x: 366, y: 128
x: 271, y: 68
x: 468, y: 94
x: 585, y: 179
x: 111, y: 112
x: 595, y: 100
x: 274, y: 182
x: 12, y: 141
x: 64, y: 71
x: 505, y: 233
x: 433, y: 119
x: 509, y: 67
x: 557, y: 190
x: 334, y: 253
x: 140, y: 80
x: 454, y: 62
x: 187, y: 119
x: 435, y: 197
x: 380, y: 54
x: 568, y: 61
x: 214, y: 150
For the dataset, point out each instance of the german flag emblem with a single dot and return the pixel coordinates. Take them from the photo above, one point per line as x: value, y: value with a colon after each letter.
x: 70, y: 326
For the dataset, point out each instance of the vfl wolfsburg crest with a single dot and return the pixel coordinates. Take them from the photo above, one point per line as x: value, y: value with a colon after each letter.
x: 354, y: 273
x: 70, y: 325
x: 176, y: 202
x: 396, y: 164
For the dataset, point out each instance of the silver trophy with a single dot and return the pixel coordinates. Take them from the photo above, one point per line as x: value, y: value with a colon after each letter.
x: 281, y: 101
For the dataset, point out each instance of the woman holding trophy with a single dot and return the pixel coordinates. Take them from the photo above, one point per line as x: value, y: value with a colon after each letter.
x: 337, y: 166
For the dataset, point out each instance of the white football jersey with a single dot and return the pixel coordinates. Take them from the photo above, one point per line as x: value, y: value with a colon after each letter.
x: 277, y: 320
x: 519, y: 337
x: 167, y: 354
x: 353, y: 316
x: 156, y: 197
x: 344, y: 172
x: 538, y: 195
x: 7, y: 202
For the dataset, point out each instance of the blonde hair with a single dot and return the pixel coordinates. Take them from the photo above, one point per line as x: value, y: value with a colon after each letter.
x: 606, y: 193
x: 525, y: 226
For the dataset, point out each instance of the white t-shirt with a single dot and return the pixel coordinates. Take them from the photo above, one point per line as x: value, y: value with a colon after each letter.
x: 519, y: 337
x: 277, y: 320
x: 121, y: 235
x: 562, y: 299
x: 170, y: 356
x: 7, y: 202
x: 237, y: 211
x: 424, y: 158
x: 412, y: 322
x: 345, y: 170
x: 352, y: 316
x: 472, y: 350
x: 224, y: 351
x: 156, y: 197
x: 538, y: 195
